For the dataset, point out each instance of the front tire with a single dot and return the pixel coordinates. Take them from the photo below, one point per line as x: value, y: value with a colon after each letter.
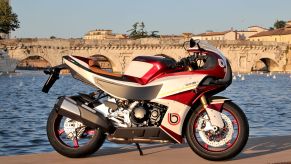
x: 225, y: 144
x: 74, y: 147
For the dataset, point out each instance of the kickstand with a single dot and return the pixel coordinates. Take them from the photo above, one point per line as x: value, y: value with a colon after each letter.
x: 139, y: 149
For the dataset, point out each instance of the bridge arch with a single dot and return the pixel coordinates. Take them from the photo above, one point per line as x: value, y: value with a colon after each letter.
x: 33, y: 62
x: 265, y: 64
x: 241, y: 54
x: 104, y: 62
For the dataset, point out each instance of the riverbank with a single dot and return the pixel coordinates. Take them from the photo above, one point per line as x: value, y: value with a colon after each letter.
x: 258, y: 150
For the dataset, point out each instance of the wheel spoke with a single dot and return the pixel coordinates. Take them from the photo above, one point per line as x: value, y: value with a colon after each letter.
x: 75, y: 141
x: 61, y: 131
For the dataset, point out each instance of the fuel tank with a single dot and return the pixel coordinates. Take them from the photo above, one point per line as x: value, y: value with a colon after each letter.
x: 143, y: 69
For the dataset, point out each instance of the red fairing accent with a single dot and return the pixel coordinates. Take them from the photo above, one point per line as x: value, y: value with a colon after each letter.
x: 202, y: 90
x: 184, y: 97
x: 216, y: 107
x: 190, y: 97
x: 148, y: 76
x: 157, y: 69
x: 216, y: 71
x: 174, y: 135
x: 154, y: 71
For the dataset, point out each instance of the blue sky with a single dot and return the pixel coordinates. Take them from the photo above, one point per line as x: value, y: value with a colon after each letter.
x: 73, y: 18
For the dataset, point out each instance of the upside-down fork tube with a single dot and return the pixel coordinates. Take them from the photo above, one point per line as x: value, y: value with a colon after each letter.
x: 82, y: 113
x: 213, y: 112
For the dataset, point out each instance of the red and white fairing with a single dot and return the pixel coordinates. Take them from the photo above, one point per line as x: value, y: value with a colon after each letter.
x: 156, y: 100
x: 153, y: 78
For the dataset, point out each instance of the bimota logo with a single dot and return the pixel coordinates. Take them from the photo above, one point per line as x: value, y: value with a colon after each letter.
x: 173, y: 118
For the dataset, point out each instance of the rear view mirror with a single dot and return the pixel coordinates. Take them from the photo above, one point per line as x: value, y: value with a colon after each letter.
x: 192, y: 43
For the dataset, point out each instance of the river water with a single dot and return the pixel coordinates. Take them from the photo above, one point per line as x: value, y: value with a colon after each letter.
x: 24, y: 108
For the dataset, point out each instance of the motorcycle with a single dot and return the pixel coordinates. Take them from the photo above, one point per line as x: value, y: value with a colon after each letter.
x: 156, y: 100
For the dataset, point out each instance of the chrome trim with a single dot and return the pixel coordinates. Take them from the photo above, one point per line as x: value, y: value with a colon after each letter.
x: 86, y: 107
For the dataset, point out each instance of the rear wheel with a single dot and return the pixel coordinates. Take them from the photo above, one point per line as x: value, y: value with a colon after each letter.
x: 222, y: 143
x: 71, y: 138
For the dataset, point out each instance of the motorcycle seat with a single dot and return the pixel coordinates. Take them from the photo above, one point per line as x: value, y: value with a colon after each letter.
x: 95, y: 68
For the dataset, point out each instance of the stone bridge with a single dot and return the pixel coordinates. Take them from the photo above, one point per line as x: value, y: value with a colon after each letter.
x: 243, y: 55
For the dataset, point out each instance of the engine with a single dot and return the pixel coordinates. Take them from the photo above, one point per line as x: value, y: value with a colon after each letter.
x: 147, y: 114
x: 137, y: 114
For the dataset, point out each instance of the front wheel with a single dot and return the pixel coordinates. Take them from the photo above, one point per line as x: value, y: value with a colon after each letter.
x: 71, y: 138
x: 222, y: 143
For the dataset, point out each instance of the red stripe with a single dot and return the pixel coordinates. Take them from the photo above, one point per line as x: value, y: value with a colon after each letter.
x: 217, y: 106
x: 172, y: 134
x: 183, y: 97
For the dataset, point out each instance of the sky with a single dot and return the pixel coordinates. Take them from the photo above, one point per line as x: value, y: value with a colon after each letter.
x: 73, y: 18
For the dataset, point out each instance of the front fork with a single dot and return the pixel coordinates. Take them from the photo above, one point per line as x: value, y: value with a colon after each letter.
x: 213, y: 111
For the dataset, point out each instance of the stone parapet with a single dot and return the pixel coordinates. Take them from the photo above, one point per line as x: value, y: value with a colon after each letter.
x: 243, y: 55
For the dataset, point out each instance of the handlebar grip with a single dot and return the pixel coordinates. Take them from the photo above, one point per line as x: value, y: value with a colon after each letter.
x: 182, y: 62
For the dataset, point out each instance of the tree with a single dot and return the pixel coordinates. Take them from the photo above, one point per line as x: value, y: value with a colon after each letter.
x: 279, y: 24
x: 138, y: 31
x: 143, y: 33
x: 133, y: 31
x: 8, y: 19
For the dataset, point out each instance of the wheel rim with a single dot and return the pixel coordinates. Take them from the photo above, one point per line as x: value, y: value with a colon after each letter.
x: 216, y: 140
x: 76, y: 140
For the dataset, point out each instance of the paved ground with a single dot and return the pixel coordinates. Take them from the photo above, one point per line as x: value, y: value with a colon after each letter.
x: 258, y: 150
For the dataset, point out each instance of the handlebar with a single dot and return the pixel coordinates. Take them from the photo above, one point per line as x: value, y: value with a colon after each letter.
x: 186, y: 61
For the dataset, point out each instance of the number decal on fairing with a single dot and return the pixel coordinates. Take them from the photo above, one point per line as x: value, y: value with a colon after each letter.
x: 174, y: 118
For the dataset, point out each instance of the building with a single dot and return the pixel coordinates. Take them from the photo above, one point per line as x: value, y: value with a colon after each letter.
x: 225, y: 35
x: 277, y: 35
x: 252, y: 30
x: 257, y: 29
x: 102, y: 35
x: 230, y: 34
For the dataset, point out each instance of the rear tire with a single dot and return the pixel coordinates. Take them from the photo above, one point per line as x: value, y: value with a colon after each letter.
x: 227, y: 151
x: 53, y: 126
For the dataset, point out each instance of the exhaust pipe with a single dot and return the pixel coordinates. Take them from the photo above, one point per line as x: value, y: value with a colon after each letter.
x: 80, y: 112
x: 136, y: 140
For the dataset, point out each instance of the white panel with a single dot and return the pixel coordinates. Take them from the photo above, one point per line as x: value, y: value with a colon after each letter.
x: 171, y: 84
x: 176, y: 84
x: 138, y: 69
x: 177, y: 108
